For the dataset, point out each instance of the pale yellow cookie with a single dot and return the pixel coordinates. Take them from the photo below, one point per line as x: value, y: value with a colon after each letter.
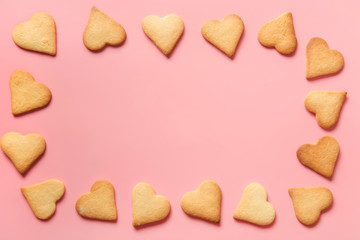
x: 279, y: 33
x: 38, y: 34
x: 26, y: 94
x: 224, y: 34
x: 164, y: 32
x: 22, y: 150
x: 147, y: 206
x: 102, y: 30
x: 326, y: 105
x: 42, y: 197
x: 203, y: 203
x: 321, y: 156
x: 309, y: 202
x: 254, y: 207
x: 99, y: 203
x: 320, y: 60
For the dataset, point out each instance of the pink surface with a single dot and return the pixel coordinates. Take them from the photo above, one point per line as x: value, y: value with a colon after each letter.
x: 130, y: 114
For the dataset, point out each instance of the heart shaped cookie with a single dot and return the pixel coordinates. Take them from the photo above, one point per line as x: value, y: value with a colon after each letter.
x: 102, y: 30
x: 254, y: 207
x: 148, y: 207
x: 203, y: 203
x: 164, y: 32
x: 38, y: 34
x: 320, y: 60
x: 321, y: 156
x: 99, y: 203
x: 279, y: 33
x: 326, y: 105
x: 22, y: 150
x: 26, y: 94
x: 309, y: 202
x: 42, y: 197
x: 224, y: 34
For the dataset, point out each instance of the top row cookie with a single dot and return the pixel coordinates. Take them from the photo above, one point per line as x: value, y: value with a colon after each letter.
x: 39, y: 34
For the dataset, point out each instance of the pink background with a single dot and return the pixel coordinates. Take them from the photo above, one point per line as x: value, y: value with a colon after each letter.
x: 130, y: 114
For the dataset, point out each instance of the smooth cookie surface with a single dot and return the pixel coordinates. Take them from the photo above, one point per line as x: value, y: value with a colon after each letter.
x: 163, y: 32
x: 254, y: 207
x: 203, y: 203
x: 42, y: 197
x: 147, y: 206
x: 321, y: 156
x: 309, y: 202
x: 326, y: 105
x: 38, y: 34
x: 99, y: 203
x: 26, y: 93
x: 23, y: 150
x: 320, y: 60
x: 279, y: 33
x: 224, y: 34
x: 102, y: 30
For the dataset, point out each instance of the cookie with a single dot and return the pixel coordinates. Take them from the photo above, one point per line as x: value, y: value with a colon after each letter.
x: 38, y: 34
x: 279, y: 33
x: 224, y: 34
x: 320, y: 60
x: 22, y: 150
x: 26, y: 94
x: 254, y: 207
x: 309, y: 202
x: 42, y: 197
x: 326, y: 105
x: 321, y: 156
x: 164, y: 32
x: 203, y: 203
x: 99, y: 203
x: 102, y: 30
x: 147, y: 206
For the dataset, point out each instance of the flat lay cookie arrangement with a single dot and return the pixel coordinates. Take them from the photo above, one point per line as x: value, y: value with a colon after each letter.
x: 113, y: 178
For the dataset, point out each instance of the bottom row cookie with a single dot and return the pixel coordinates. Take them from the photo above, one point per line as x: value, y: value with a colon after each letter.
x: 204, y: 202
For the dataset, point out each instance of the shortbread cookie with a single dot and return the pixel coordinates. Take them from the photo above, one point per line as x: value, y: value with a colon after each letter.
x: 320, y: 60
x: 102, y: 30
x: 26, y: 94
x: 22, y: 150
x: 99, y: 203
x: 164, y: 32
x: 309, y: 202
x: 254, y: 207
x: 326, y: 105
x: 148, y: 207
x: 42, y: 197
x: 224, y: 34
x: 203, y: 203
x: 38, y: 34
x: 321, y: 156
x: 279, y: 33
